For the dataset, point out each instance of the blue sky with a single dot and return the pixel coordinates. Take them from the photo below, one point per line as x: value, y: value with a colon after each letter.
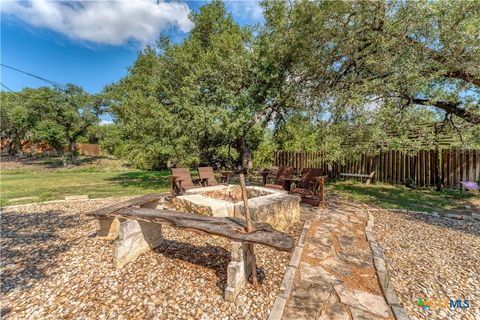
x: 91, y: 43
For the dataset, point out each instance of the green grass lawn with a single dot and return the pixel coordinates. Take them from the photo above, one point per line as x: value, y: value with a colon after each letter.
x: 400, y: 197
x: 44, y: 179
x: 98, y: 178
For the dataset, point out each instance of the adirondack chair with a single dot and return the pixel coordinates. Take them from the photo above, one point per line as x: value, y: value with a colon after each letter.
x: 310, y: 186
x: 283, y: 175
x: 181, y: 180
x: 207, y: 176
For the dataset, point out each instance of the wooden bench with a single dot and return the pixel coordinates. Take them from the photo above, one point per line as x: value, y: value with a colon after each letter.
x: 369, y: 177
x: 181, y: 180
x: 136, y: 227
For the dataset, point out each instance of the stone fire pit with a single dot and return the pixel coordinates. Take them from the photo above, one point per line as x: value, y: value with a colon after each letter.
x: 278, y: 208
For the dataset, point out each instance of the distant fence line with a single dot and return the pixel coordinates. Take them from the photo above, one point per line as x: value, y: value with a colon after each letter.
x: 86, y: 149
x: 427, y: 168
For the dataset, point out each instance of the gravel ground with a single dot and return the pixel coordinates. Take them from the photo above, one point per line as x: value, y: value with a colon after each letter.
x: 53, y: 267
x: 434, y: 259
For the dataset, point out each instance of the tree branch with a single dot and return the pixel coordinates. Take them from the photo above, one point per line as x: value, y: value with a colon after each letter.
x: 463, y: 75
x: 450, y: 107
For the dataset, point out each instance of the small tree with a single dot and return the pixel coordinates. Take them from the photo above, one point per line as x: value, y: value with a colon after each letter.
x: 71, y: 111
x: 14, y: 123
x: 49, y: 131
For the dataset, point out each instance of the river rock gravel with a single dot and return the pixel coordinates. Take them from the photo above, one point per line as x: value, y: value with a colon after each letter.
x: 432, y: 258
x: 53, y: 267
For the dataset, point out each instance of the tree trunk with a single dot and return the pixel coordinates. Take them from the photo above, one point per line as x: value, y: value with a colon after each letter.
x: 64, y: 158
x: 73, y: 150
x: 246, y: 157
x: 17, y: 145
x: 9, y: 148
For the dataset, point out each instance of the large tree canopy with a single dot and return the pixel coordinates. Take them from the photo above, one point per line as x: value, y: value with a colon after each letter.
x: 196, y: 101
x: 348, y: 54
x: 361, y: 74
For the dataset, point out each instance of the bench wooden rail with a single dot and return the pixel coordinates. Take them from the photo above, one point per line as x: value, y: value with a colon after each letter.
x: 228, y: 227
x: 139, y: 201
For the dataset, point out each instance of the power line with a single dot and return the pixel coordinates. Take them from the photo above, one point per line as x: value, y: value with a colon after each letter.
x: 56, y: 84
x: 24, y: 95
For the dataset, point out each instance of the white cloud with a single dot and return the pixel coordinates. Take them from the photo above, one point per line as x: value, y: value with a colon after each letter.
x: 105, y: 22
x: 247, y: 10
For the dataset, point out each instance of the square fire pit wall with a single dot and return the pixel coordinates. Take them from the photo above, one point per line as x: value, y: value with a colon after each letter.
x: 276, y: 207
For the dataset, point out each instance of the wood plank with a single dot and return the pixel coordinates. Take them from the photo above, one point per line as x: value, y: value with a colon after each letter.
x: 395, y: 167
x: 138, y: 201
x: 391, y: 164
x: 471, y: 172
x: 448, y: 160
x: 417, y: 180
x: 228, y: 227
x: 427, y: 168
x: 421, y: 162
x: 457, y: 168
x: 407, y: 167
x: 443, y: 167
x: 477, y: 167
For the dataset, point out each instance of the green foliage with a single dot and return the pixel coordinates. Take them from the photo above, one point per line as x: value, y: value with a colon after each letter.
x: 299, y: 133
x: 263, y: 154
x: 58, y: 117
x: 50, y: 131
x: 376, y: 71
x: 111, y: 139
x: 190, y: 103
x: 16, y: 120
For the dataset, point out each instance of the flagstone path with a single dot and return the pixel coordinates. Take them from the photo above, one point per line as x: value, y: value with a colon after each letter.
x: 336, y: 277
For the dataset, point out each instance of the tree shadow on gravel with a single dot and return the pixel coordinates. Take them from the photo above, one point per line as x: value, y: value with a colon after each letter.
x: 29, y: 243
x: 464, y: 226
x: 215, y: 258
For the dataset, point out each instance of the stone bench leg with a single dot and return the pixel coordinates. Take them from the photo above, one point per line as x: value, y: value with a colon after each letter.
x: 238, y: 270
x: 132, y: 238
x: 108, y: 228
x: 135, y: 238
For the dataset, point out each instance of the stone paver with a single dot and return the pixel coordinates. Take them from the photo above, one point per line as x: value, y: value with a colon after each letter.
x: 336, y: 277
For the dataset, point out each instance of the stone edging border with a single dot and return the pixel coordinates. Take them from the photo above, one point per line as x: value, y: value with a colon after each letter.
x: 380, y: 262
x: 457, y: 216
x: 278, y: 307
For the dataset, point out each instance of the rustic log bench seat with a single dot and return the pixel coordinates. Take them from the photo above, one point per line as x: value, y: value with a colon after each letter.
x: 369, y: 177
x: 136, y: 224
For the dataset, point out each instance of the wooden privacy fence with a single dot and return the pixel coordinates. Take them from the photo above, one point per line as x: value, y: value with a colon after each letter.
x: 427, y: 168
x: 88, y: 149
